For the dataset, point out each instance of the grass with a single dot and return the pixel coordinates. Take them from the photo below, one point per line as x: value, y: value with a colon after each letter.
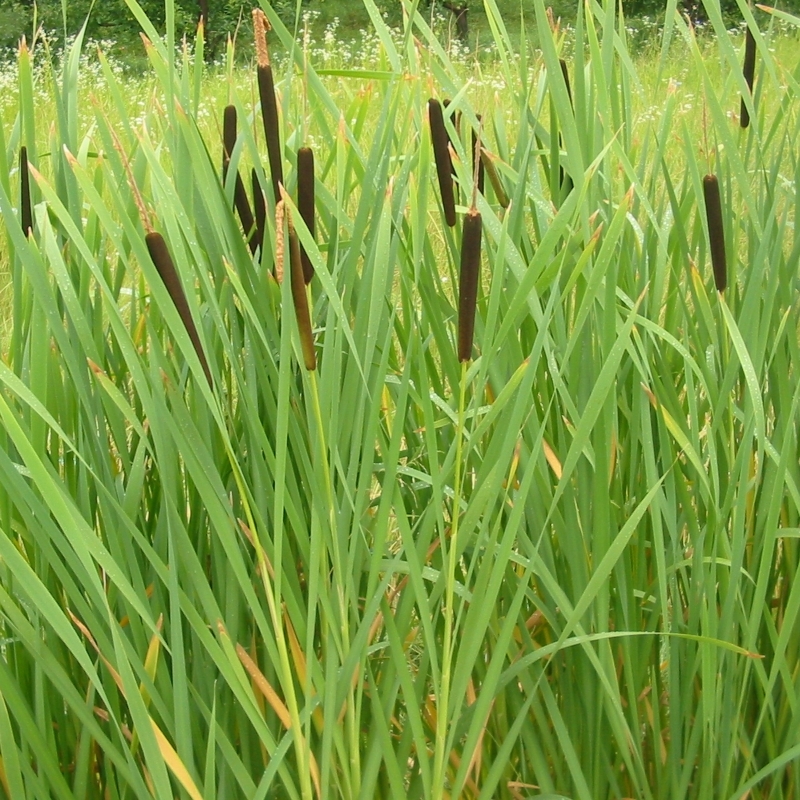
x: 564, y: 567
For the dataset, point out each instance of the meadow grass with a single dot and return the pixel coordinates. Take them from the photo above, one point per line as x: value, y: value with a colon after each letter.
x: 262, y: 540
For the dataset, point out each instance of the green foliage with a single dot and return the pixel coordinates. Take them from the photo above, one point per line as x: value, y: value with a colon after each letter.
x: 566, y: 566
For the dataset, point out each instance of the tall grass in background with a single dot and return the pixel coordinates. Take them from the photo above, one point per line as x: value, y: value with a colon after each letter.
x: 562, y: 568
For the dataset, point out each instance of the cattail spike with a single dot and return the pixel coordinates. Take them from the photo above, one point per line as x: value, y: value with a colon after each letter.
x: 162, y: 259
x: 26, y: 209
x: 445, y: 107
x: 245, y: 213
x: 305, y: 202
x: 300, y: 299
x: 441, y: 155
x: 260, y: 27
x: 242, y: 203
x: 269, y: 107
x: 280, y: 240
x: 229, y: 134
x: 269, y: 114
x: 260, y: 203
x: 470, y: 275
x: 716, y: 232
x: 749, y: 71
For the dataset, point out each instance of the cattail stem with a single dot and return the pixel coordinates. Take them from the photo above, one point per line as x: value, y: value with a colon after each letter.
x: 300, y: 298
x: 166, y: 269
x: 26, y: 209
x: 441, y: 155
x: 468, y: 288
x: 305, y: 201
x: 749, y: 71
x: 716, y: 232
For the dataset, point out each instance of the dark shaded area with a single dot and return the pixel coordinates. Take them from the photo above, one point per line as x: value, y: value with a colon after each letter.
x: 113, y: 20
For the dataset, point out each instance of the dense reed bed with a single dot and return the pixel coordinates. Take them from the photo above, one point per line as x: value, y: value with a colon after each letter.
x: 383, y: 493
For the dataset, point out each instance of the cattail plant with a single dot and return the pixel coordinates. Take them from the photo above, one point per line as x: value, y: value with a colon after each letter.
x: 162, y: 259
x: 269, y: 107
x: 494, y: 178
x: 305, y: 201
x: 749, y: 71
x: 229, y: 134
x: 468, y: 287
x: 300, y: 298
x: 280, y: 240
x: 441, y: 155
x: 26, y: 210
x: 716, y: 232
x: 260, y: 204
x: 457, y: 126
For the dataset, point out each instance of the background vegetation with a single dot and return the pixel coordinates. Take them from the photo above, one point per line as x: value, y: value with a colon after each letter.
x: 565, y: 568
x: 112, y: 21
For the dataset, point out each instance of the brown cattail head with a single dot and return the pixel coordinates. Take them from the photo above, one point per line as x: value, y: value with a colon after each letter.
x: 269, y: 114
x: 300, y: 298
x: 26, y: 209
x: 716, y: 231
x: 228, y: 137
x: 468, y: 288
x: 260, y: 203
x: 229, y: 134
x: 749, y: 71
x: 166, y: 269
x: 305, y: 201
x: 441, y: 155
x: 456, y: 120
x: 245, y: 213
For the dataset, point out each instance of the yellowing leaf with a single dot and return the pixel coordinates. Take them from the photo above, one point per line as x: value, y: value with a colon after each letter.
x: 270, y: 695
x: 173, y: 761
x: 552, y: 459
